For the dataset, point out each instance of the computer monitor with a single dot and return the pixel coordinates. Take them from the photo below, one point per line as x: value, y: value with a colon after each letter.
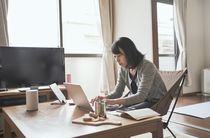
x: 31, y: 66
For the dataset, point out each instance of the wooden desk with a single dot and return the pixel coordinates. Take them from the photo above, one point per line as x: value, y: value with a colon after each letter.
x: 15, y: 97
x: 56, y: 121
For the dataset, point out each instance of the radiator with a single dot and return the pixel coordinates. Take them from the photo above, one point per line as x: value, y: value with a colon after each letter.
x: 205, y: 81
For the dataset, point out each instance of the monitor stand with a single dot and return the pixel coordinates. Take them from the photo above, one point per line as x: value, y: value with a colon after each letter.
x: 3, y: 86
x: 3, y: 89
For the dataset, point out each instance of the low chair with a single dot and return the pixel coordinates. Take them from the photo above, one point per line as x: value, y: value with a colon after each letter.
x: 174, y: 81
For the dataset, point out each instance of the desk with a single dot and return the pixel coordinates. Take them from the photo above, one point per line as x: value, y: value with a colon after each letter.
x: 55, y: 121
x: 15, y: 97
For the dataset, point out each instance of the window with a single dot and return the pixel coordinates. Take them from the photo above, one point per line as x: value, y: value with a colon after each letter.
x: 81, y: 33
x: 33, y: 23
x: 167, y: 43
x: 168, y: 51
x: 36, y: 23
x: 165, y: 29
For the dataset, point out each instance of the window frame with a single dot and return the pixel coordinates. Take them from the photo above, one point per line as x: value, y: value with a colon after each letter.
x: 59, y: 34
x: 156, y: 54
x: 61, y: 37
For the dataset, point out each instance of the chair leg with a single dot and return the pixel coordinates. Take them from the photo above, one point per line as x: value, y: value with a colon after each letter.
x: 171, y: 131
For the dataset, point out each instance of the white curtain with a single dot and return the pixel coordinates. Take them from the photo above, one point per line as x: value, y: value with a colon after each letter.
x: 180, y: 8
x: 108, y: 65
x: 4, y: 39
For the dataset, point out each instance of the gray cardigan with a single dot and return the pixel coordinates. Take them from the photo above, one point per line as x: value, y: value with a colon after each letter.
x: 151, y: 86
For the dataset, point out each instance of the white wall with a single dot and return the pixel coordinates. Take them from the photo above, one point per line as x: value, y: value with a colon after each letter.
x: 133, y: 19
x: 195, y: 43
x: 207, y: 32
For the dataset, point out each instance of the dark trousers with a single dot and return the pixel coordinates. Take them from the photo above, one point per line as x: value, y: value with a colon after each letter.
x: 144, y: 104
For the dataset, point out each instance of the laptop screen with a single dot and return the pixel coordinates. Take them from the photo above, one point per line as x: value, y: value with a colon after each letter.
x: 54, y: 87
x: 78, y: 96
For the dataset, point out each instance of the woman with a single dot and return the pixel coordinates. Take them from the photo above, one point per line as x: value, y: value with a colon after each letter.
x: 138, y: 74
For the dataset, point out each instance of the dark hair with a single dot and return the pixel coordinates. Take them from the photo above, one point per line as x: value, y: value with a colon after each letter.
x: 132, y: 54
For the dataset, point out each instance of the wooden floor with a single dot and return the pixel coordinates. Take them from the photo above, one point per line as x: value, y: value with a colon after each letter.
x: 191, y: 125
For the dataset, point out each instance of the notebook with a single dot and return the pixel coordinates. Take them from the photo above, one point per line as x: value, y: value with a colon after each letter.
x: 78, y: 96
x: 54, y: 87
x: 139, y: 114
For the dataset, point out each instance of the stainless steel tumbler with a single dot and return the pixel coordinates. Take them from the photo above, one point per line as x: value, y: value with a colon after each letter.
x: 100, y: 108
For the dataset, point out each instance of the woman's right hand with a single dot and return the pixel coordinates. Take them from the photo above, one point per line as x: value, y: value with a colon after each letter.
x: 97, y: 98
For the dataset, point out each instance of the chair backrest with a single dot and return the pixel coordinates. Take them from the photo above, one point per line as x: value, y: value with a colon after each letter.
x: 174, y: 82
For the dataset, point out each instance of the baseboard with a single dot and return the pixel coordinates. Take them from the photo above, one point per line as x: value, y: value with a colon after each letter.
x: 191, y: 94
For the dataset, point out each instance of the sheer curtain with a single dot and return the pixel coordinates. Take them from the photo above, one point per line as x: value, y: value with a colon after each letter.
x: 4, y: 38
x: 180, y: 8
x: 108, y: 65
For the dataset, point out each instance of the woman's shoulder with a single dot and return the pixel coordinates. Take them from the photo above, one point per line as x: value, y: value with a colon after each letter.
x: 146, y: 62
x: 146, y: 65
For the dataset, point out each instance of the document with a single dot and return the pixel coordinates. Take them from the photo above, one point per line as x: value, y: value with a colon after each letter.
x: 139, y: 114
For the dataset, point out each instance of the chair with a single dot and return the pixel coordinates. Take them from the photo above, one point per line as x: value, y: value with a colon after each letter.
x: 174, y: 81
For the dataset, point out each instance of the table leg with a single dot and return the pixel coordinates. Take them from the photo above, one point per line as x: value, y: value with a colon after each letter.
x: 159, y: 131
x: 7, y: 130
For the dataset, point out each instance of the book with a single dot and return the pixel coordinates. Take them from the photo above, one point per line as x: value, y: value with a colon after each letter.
x: 139, y: 114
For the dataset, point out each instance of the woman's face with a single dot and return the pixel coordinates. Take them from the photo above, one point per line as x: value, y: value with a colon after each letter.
x: 121, y: 58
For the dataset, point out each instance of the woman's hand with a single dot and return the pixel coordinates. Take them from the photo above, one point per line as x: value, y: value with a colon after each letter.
x: 115, y: 101
x: 97, y: 98
x: 111, y: 101
x: 108, y: 101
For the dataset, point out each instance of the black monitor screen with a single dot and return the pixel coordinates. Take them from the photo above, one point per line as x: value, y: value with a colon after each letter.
x: 26, y: 66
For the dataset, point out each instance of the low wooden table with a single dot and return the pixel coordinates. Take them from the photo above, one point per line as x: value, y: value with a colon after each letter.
x: 56, y: 121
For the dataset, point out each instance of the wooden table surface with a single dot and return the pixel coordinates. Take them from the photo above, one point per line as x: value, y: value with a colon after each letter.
x: 56, y: 121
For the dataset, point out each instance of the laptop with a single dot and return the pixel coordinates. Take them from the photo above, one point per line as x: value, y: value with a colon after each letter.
x: 78, y: 96
x: 54, y: 87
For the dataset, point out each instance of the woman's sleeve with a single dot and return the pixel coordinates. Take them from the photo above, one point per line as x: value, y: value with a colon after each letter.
x: 146, y: 79
x: 119, y: 87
